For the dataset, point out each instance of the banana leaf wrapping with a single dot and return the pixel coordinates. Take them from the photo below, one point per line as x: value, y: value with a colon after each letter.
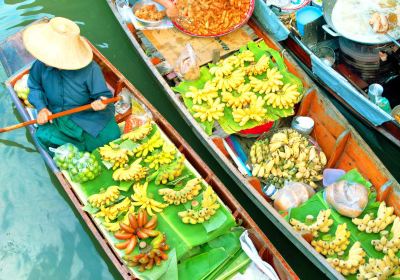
x: 227, y: 122
x: 191, y: 243
x: 317, y: 203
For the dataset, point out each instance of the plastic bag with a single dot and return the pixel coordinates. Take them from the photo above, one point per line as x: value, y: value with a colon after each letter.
x: 347, y: 198
x: 187, y: 64
x: 64, y: 155
x: 84, y: 167
x: 139, y: 116
x: 292, y: 195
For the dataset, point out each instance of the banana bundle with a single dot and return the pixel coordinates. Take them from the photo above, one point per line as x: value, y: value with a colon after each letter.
x: 270, y: 84
x: 134, y: 172
x: 255, y: 111
x: 209, y: 206
x: 287, y: 155
x: 386, y: 243
x: 385, y: 217
x: 230, y: 82
x: 259, y: 67
x: 223, y: 68
x: 207, y: 94
x: 112, y: 212
x: 187, y: 193
x: 105, y: 198
x: 115, y: 226
x: 239, y: 100
x: 212, y: 111
x: 115, y: 155
x: 380, y: 269
x: 141, y: 199
x: 322, y: 224
x: 139, y: 133
x: 285, y: 98
x: 168, y: 173
x: 149, y: 146
x: 165, y: 156
x: 337, y: 245
x: 353, y: 262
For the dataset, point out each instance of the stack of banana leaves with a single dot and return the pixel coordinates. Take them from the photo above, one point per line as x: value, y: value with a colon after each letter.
x: 242, y: 91
x: 164, y: 220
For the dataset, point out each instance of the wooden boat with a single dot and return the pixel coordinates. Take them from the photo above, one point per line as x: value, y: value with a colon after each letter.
x: 14, y: 58
x: 343, y: 146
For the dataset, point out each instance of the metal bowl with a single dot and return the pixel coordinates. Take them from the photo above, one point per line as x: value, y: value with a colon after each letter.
x: 138, y: 5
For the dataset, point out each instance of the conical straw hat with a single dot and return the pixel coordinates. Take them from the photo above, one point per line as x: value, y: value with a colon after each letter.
x: 57, y: 43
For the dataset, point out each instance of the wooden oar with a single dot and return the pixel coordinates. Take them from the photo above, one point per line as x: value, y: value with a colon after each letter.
x: 57, y: 115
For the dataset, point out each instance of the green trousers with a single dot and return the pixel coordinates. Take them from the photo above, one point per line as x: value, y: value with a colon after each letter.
x: 63, y: 131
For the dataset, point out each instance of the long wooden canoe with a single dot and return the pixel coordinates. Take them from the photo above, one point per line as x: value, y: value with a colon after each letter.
x: 343, y: 146
x: 13, y: 56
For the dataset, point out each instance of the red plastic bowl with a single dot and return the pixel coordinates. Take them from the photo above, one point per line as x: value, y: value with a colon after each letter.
x: 237, y: 26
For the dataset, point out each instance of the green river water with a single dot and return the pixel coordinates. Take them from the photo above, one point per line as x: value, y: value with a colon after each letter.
x: 41, y: 235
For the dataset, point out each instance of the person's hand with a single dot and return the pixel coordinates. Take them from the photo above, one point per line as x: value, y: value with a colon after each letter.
x: 43, y: 116
x: 172, y: 11
x: 98, y: 105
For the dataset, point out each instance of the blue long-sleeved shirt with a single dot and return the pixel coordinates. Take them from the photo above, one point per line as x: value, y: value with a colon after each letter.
x: 59, y: 90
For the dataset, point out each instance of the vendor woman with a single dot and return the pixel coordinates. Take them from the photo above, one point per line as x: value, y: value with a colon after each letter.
x: 63, y: 77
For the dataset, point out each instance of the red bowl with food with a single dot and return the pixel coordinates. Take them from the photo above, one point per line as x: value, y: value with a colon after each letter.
x: 208, y: 9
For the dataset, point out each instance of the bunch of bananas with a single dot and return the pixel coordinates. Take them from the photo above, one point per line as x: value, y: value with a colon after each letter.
x: 134, y: 172
x: 259, y: 67
x: 209, y: 206
x: 212, y: 111
x: 286, y: 98
x: 115, y: 226
x: 353, y: 262
x: 168, y: 173
x: 138, y: 227
x: 255, y: 111
x: 165, y: 156
x: 152, y: 254
x: 386, y: 243
x: 141, y: 199
x: 112, y: 212
x: 230, y: 82
x: 139, y: 133
x: 207, y: 94
x: 380, y: 269
x: 115, y: 155
x: 149, y: 146
x: 384, y: 217
x: 223, y: 68
x: 321, y: 224
x: 337, y: 245
x: 187, y: 193
x: 272, y: 83
x: 239, y: 100
x: 243, y: 57
x: 105, y: 198
x: 287, y: 155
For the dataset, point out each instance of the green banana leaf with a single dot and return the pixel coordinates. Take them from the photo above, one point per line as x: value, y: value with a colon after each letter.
x: 317, y: 203
x: 172, y: 270
x: 237, y: 264
x: 227, y: 122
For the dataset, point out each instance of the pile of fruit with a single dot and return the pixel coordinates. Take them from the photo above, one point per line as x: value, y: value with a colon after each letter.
x: 81, y: 166
x: 244, y: 90
x: 287, y: 156
x: 22, y: 89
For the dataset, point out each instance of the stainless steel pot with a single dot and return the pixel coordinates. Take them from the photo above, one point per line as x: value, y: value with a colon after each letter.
x: 328, y: 6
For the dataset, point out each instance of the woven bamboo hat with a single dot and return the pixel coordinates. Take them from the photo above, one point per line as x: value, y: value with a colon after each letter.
x: 57, y: 43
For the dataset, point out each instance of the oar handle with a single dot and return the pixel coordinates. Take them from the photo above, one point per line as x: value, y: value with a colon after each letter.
x: 60, y: 114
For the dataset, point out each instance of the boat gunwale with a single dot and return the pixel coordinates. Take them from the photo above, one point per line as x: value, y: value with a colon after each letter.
x: 264, y: 246
x: 228, y: 166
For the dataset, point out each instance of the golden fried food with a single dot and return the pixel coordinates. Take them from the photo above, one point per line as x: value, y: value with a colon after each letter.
x: 150, y: 12
x: 211, y: 17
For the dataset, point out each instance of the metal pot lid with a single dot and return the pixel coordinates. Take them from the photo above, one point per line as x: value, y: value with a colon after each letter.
x: 350, y: 18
